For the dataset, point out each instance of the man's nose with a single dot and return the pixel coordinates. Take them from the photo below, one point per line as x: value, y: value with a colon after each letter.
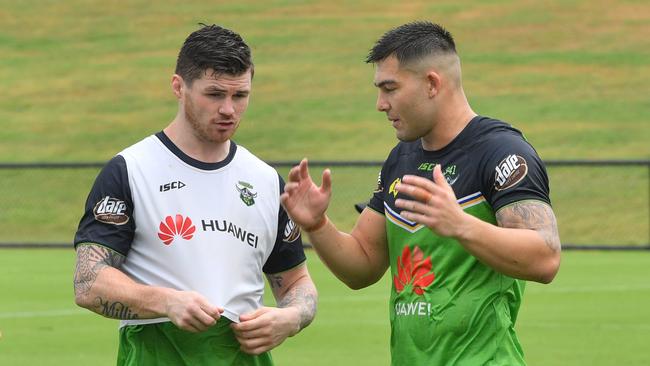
x: 227, y: 107
x: 382, y: 105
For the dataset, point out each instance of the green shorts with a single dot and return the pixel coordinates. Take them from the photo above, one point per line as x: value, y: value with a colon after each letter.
x: 166, y: 344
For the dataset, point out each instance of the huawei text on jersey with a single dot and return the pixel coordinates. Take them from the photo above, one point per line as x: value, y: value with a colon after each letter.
x: 171, y: 228
x: 230, y: 228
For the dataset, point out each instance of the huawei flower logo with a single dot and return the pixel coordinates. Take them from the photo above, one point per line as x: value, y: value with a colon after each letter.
x: 170, y: 228
x: 413, y: 268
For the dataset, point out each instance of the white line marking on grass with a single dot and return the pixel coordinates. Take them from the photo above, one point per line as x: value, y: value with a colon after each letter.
x: 44, y: 313
x: 605, y: 288
x: 590, y: 324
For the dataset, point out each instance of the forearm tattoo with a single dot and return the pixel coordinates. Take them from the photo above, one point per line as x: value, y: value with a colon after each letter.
x: 533, y: 215
x: 115, y: 310
x: 92, y: 259
x: 302, y: 296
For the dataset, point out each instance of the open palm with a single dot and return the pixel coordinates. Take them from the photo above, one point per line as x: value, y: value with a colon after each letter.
x: 304, y: 201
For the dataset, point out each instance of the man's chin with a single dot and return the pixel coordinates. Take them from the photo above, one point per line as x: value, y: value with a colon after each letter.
x: 403, y: 138
x: 214, y: 138
x: 220, y: 137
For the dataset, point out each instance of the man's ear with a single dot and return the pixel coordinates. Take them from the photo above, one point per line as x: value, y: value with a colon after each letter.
x: 434, y: 83
x: 178, y: 86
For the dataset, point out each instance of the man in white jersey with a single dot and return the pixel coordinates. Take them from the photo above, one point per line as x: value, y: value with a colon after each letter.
x: 179, y: 228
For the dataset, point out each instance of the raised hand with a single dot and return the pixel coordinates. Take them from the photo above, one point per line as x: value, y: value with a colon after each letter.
x: 434, y: 203
x: 304, y: 201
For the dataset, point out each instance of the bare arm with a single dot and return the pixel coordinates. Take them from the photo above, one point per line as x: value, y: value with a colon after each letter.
x: 533, y: 215
x: 295, y: 289
x: 101, y: 287
x: 360, y: 258
x: 524, y: 245
x: 267, y: 327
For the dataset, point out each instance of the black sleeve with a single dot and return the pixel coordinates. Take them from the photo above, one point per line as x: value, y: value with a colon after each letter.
x: 513, y: 172
x: 377, y: 200
x: 108, y: 216
x: 287, y: 251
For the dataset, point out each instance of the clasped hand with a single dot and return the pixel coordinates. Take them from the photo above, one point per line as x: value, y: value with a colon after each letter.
x: 265, y: 328
x: 191, y: 311
x: 434, y: 203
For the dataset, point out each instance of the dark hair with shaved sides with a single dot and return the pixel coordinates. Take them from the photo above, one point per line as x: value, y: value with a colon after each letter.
x: 412, y: 42
x: 213, y: 47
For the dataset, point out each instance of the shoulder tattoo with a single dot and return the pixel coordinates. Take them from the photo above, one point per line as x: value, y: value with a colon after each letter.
x: 275, y: 280
x: 91, y: 259
x: 533, y: 215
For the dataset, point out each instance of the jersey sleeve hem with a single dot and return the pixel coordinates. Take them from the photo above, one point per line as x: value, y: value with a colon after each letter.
x: 381, y: 212
x: 518, y: 200
x: 76, y: 245
x: 301, y: 263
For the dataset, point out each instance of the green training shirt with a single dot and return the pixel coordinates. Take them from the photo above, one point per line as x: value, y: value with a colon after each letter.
x: 446, y: 307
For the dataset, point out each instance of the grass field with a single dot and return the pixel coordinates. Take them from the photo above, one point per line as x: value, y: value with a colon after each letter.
x: 44, y: 206
x: 82, y: 79
x: 595, y: 313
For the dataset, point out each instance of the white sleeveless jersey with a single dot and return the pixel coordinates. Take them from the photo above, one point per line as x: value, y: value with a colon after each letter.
x: 209, y: 228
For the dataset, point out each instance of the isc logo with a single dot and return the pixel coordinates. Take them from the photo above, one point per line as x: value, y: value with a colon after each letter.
x: 172, y: 185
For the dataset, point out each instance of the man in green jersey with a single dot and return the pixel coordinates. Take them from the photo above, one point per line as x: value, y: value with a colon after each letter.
x: 461, y: 213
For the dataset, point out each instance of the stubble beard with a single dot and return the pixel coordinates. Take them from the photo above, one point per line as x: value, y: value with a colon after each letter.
x: 200, y: 132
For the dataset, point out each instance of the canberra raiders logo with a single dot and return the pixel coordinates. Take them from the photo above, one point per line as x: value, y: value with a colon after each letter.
x: 246, y: 193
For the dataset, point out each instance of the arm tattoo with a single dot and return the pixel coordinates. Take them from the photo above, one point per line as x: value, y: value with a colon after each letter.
x: 115, y: 310
x: 275, y: 281
x: 91, y: 259
x: 302, y: 296
x: 533, y: 215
